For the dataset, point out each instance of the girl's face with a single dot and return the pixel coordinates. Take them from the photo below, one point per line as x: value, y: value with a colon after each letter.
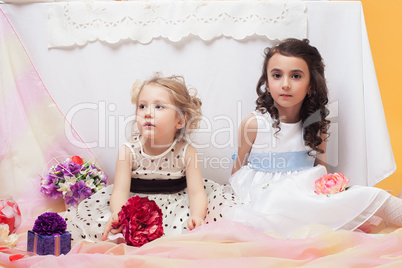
x: 288, y: 83
x: 157, y: 116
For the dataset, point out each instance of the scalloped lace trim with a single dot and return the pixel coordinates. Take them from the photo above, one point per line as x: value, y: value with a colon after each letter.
x: 77, y: 23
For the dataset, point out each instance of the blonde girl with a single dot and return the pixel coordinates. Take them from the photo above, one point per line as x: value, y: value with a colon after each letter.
x: 159, y: 162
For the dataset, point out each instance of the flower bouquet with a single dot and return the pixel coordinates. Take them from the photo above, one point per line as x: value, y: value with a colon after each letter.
x: 142, y: 221
x: 74, y: 180
x: 331, y: 184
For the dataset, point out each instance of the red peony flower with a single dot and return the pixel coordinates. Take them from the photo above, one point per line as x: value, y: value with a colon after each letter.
x: 142, y: 221
x: 77, y: 160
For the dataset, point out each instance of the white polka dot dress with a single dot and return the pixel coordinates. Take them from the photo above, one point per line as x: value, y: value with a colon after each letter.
x: 88, y: 220
x: 219, y: 197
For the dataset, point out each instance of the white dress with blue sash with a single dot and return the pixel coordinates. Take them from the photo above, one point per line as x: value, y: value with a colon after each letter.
x: 276, y: 187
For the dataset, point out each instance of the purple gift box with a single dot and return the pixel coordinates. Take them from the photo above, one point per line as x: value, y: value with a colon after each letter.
x: 49, y: 244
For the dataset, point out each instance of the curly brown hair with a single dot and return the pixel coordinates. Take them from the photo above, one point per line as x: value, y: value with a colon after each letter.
x: 313, y: 112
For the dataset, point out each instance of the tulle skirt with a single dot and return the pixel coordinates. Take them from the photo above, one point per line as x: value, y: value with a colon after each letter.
x: 284, y: 202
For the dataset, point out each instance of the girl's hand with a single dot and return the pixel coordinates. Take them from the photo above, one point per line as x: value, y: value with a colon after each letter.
x: 121, y: 189
x: 194, y: 222
x: 114, y: 219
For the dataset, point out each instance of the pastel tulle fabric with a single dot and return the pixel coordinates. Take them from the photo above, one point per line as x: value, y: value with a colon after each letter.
x: 32, y: 129
x: 230, y: 244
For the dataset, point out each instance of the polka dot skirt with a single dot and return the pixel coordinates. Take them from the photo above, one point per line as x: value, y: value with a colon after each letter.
x: 89, y: 219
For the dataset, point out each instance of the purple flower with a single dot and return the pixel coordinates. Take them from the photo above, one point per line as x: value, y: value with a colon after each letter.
x: 49, y: 187
x: 71, y: 200
x: 72, y: 169
x: 75, y: 168
x: 50, y: 223
x: 67, y: 169
x: 80, y: 190
x: 50, y: 191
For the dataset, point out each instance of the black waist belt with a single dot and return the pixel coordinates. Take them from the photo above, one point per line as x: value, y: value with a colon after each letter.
x: 157, y: 185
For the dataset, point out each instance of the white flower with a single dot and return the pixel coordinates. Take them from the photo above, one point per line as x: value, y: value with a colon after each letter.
x: 95, y: 173
x: 5, y: 239
x: 70, y: 179
x: 89, y: 182
x: 64, y: 187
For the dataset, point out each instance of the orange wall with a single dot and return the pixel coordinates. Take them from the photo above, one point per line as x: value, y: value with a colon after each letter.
x: 384, y: 27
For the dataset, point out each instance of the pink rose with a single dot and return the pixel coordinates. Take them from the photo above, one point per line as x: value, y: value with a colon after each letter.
x: 142, y: 221
x: 331, y: 184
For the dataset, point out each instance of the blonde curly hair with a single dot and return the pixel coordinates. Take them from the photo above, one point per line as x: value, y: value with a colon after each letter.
x: 188, y: 105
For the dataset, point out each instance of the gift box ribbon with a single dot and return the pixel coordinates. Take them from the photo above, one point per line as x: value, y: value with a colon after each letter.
x: 56, y: 244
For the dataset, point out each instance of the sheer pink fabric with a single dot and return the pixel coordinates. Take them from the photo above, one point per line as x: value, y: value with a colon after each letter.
x: 32, y: 129
x: 229, y: 244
